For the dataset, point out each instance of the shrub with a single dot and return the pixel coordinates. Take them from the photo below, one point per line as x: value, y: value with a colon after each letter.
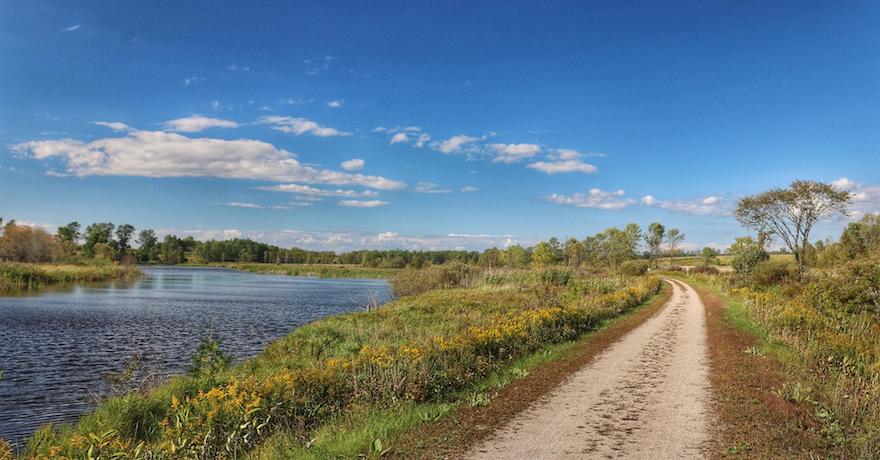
x: 633, y: 267
x: 417, y: 281
x: 771, y: 272
x: 852, y: 288
x: 704, y: 269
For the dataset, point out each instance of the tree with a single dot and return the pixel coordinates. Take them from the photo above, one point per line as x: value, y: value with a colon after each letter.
x: 69, y: 232
x: 98, y: 233
x: 709, y: 256
x: 654, y: 240
x: 542, y: 254
x: 21, y: 243
x: 123, y: 237
x: 673, y: 239
x: 147, y: 245
x: 791, y: 213
x: 574, y: 252
x: 748, y: 253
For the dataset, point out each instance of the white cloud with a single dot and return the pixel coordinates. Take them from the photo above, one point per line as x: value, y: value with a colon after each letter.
x: 299, y: 126
x: 196, y: 123
x: 237, y: 68
x: 164, y: 154
x: 564, y: 161
x: 455, y: 143
x: 399, y: 138
x: 706, y: 206
x: 469, y: 188
x: 511, y: 153
x: 215, y: 105
x: 412, y: 135
x: 864, y: 199
x: 335, y: 103
x: 349, y: 241
x: 355, y: 164
x: 313, y: 191
x: 595, y: 198
x: 239, y: 204
x: 430, y: 187
x: 115, y: 125
x: 362, y: 203
x: 70, y: 29
x: 192, y: 81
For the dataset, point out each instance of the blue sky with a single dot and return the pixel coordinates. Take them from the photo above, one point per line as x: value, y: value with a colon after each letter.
x: 475, y: 123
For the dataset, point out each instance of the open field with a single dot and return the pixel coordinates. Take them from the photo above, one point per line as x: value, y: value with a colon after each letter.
x: 317, y: 270
x: 22, y: 276
x: 423, y: 351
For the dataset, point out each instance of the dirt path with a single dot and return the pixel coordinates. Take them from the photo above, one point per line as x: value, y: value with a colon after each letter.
x: 647, y: 396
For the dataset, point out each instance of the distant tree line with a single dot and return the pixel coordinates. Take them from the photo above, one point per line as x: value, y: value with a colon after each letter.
x: 106, y: 242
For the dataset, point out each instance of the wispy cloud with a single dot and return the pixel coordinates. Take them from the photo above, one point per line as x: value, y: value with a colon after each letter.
x: 363, y: 203
x: 238, y: 68
x: 300, y: 126
x: 315, y: 66
x: 355, y: 164
x: 706, y: 206
x: 411, y: 135
x: 595, y: 198
x: 469, y: 189
x: 564, y: 161
x: 511, y: 153
x: 192, y: 81
x: 430, y: 187
x: 455, y: 144
x: 335, y: 103
x: 114, y: 125
x: 165, y: 154
x: 239, y: 204
x: 70, y: 29
x: 196, y: 123
x: 313, y: 191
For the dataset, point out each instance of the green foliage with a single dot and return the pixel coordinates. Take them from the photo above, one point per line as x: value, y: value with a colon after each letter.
x: 634, y: 268
x: 773, y: 272
x: 747, y: 254
x: 16, y: 276
x: 412, y: 282
x: 209, y: 359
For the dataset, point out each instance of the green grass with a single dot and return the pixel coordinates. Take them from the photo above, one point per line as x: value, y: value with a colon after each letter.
x: 355, y: 435
x: 320, y: 271
x: 20, y: 276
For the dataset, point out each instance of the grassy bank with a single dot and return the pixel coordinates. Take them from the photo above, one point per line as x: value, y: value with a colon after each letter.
x: 419, y: 355
x: 320, y: 271
x: 20, y: 276
x: 823, y: 333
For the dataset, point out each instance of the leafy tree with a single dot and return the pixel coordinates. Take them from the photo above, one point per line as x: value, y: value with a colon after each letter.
x: 124, y: 233
x: 791, y: 213
x: 574, y: 252
x: 748, y: 253
x: 516, y: 256
x: 147, y: 245
x: 98, y: 233
x: 20, y: 243
x: 709, y: 256
x: 542, y: 254
x: 69, y: 232
x: 654, y: 240
x: 673, y: 239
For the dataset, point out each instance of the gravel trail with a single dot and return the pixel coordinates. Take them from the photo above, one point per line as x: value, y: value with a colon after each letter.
x: 647, y: 396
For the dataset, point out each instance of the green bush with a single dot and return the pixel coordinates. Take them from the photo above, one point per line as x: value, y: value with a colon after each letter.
x: 633, y: 268
x: 851, y: 288
x: 772, y: 272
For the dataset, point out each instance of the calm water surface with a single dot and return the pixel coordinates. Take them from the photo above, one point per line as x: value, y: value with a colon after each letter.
x: 57, y: 345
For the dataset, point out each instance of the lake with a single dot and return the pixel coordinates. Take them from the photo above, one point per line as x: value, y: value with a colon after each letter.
x: 57, y: 345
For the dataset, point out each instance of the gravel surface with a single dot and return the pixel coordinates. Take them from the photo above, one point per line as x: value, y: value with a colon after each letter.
x: 647, y: 396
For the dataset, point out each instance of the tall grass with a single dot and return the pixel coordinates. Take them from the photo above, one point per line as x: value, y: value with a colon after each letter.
x: 417, y: 349
x: 22, y: 276
x: 831, y: 325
